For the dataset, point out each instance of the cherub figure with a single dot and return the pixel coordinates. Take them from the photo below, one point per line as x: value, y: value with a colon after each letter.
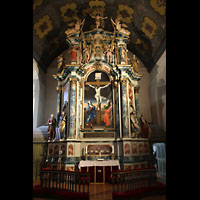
x: 119, y: 28
x: 97, y: 15
x: 77, y: 27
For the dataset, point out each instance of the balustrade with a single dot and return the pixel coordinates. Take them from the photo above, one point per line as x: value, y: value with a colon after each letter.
x: 65, y: 180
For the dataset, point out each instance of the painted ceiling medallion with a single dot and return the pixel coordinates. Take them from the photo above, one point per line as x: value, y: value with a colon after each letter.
x: 149, y: 27
x: 36, y: 3
x: 159, y: 6
x: 43, y: 26
x: 125, y: 13
x: 68, y: 12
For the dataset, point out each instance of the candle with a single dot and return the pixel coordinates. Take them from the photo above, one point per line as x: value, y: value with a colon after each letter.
x: 86, y: 149
x: 112, y: 148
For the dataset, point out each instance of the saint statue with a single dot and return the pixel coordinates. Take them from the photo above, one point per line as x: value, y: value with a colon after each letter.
x: 108, y: 53
x: 62, y: 125
x: 135, y: 63
x: 118, y: 27
x: 123, y: 53
x: 145, y: 129
x: 60, y: 63
x: 98, y: 96
x: 91, y: 113
x: 51, y: 127
x: 107, y: 110
x: 134, y: 122
x: 86, y: 54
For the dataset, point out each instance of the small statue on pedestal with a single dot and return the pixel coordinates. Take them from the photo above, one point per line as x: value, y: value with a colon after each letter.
x: 134, y: 122
x: 60, y: 63
x: 134, y: 64
x: 108, y: 52
x: 52, y: 127
x: 62, y: 125
x: 145, y: 129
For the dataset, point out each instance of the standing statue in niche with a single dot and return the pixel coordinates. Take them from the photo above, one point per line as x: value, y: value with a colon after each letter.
x: 98, y: 96
x: 107, y: 110
x: 91, y: 113
x: 108, y: 53
x: 135, y: 127
x: 51, y: 127
x: 123, y: 54
x: 145, y: 129
x: 60, y: 61
x: 135, y: 63
x: 86, y: 54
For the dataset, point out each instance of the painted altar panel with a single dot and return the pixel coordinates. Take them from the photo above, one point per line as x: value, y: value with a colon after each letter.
x: 98, y: 101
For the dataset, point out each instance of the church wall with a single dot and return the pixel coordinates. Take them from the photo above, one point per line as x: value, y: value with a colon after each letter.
x: 38, y: 95
x: 157, y: 90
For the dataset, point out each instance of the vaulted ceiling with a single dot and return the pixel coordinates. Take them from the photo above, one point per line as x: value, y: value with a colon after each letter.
x: 146, y: 20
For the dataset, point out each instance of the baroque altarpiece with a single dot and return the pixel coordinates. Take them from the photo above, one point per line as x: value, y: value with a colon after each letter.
x: 97, y: 92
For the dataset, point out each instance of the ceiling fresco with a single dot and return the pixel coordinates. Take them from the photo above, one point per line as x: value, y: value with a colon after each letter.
x: 145, y: 19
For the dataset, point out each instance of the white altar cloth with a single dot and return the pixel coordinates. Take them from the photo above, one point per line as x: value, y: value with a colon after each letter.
x: 91, y: 163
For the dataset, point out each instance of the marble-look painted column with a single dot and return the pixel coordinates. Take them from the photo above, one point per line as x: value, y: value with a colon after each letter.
x: 73, y: 108
x: 78, y: 115
x: 59, y: 97
x: 136, y: 95
x: 124, y: 109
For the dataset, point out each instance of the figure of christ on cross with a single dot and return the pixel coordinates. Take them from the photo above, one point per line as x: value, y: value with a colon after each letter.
x: 97, y: 86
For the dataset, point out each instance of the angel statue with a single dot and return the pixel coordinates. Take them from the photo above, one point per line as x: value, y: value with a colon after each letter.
x: 119, y: 26
x: 77, y: 27
x: 98, y: 16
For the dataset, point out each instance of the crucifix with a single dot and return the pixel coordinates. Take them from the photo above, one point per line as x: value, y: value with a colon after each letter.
x: 97, y: 86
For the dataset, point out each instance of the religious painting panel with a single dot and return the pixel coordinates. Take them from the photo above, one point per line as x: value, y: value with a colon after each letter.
x: 127, y: 149
x: 69, y: 167
x: 98, y: 101
x: 56, y: 150
x: 70, y: 151
x: 127, y: 167
x: 134, y: 148
x: 141, y: 148
x: 146, y: 148
x: 50, y: 150
x: 136, y: 166
x: 63, y: 150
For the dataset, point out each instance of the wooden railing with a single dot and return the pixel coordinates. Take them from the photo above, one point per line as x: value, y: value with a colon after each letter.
x: 133, y: 179
x: 65, y: 180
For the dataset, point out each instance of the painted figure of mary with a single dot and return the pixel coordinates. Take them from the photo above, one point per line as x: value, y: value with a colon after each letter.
x: 91, y: 113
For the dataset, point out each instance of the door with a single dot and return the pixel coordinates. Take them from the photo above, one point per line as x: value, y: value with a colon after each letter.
x: 99, y: 174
